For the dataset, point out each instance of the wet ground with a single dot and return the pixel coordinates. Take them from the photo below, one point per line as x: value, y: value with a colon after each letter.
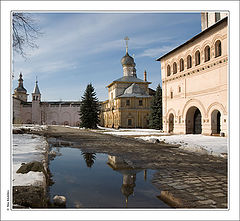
x: 183, y: 179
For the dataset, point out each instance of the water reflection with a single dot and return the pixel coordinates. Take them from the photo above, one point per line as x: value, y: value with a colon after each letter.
x: 112, y: 182
x: 129, y: 175
x: 89, y: 158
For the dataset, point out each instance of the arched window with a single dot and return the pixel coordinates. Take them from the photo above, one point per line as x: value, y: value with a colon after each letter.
x: 181, y: 64
x: 189, y: 61
x: 218, y: 48
x: 174, y: 68
x: 207, y: 53
x: 197, y: 58
x: 168, y: 70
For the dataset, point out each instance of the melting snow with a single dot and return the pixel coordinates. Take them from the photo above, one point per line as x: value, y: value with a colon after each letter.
x: 217, y: 146
x: 27, y: 148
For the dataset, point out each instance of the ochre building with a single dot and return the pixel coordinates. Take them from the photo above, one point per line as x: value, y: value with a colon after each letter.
x: 129, y: 99
x: 195, y: 81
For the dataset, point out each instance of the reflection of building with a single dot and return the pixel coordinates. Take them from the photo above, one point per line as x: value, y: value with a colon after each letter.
x: 129, y: 99
x: 129, y: 174
x: 194, y: 80
x: 38, y: 112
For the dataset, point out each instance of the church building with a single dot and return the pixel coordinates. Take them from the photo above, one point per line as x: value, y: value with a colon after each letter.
x: 129, y: 99
x: 195, y: 81
x: 39, y: 112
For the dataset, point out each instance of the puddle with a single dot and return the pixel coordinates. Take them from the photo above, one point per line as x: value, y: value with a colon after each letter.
x: 93, y: 180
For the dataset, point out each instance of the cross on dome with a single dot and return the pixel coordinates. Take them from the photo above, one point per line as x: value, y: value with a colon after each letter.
x: 126, y: 39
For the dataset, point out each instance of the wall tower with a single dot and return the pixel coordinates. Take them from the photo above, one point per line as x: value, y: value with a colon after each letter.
x: 36, y: 99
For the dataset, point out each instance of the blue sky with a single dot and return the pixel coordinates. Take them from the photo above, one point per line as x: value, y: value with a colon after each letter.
x: 78, y: 48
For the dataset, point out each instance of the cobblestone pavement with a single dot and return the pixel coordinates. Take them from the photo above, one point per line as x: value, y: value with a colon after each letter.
x: 185, y: 179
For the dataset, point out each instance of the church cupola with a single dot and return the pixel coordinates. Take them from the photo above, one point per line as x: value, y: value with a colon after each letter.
x: 36, y: 95
x: 20, y: 92
x: 128, y: 63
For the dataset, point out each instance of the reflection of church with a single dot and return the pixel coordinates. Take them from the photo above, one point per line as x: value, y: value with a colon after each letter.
x: 129, y: 175
x: 129, y: 99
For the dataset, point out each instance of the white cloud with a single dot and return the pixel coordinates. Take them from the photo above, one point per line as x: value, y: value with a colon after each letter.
x: 156, y: 52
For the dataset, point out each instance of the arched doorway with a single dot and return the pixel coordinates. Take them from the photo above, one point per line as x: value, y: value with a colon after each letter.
x: 193, y: 121
x: 171, y: 123
x: 216, y: 122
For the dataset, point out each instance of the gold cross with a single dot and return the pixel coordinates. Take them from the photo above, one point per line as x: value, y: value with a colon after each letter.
x: 126, y: 39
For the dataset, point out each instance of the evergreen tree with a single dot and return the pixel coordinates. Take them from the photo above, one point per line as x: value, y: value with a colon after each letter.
x: 89, y: 108
x: 155, y: 118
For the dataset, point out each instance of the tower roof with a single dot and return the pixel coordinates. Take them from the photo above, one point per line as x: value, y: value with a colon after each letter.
x: 36, y: 89
x: 20, y: 87
x: 127, y: 60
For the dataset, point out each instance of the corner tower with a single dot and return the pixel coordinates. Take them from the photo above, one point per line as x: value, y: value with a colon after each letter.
x: 20, y: 92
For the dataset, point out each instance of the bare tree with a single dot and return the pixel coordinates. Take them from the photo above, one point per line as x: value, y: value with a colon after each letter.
x: 25, y: 31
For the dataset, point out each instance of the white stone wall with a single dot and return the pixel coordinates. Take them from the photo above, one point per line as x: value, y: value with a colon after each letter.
x: 48, y: 114
x: 16, y: 111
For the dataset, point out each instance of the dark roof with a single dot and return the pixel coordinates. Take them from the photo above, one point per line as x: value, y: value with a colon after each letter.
x: 151, y: 91
x: 195, y: 37
x: 20, y: 89
x: 129, y: 79
x: 61, y: 102
x: 36, y: 89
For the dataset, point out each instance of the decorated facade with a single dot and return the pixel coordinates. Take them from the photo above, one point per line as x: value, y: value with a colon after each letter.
x: 195, y: 81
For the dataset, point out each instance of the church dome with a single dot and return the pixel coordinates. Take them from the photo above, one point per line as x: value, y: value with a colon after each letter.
x: 127, y: 60
x: 20, y: 89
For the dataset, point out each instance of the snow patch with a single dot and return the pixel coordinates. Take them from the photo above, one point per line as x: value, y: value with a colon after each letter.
x: 217, y: 146
x: 31, y: 127
x: 27, y: 148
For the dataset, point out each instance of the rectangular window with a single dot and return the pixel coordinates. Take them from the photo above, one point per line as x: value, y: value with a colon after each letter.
x: 179, y: 89
x: 140, y: 103
x: 127, y: 102
x: 129, y: 122
x: 112, y: 95
x: 171, y: 95
x: 217, y: 16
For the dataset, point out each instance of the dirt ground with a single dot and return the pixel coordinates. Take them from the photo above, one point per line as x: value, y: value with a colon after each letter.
x: 185, y: 179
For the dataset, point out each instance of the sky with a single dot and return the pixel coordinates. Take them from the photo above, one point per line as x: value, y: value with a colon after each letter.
x: 75, y: 49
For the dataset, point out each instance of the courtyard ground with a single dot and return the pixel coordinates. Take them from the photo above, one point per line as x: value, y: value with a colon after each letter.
x: 212, y: 145
x: 185, y: 179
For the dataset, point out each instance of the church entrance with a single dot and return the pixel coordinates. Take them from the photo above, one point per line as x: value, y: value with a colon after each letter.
x: 193, y: 121
x: 171, y: 123
x: 216, y: 122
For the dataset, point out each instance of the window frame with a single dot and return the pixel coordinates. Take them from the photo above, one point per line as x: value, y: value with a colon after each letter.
x: 189, y: 61
x: 197, y: 58
x: 174, y: 67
